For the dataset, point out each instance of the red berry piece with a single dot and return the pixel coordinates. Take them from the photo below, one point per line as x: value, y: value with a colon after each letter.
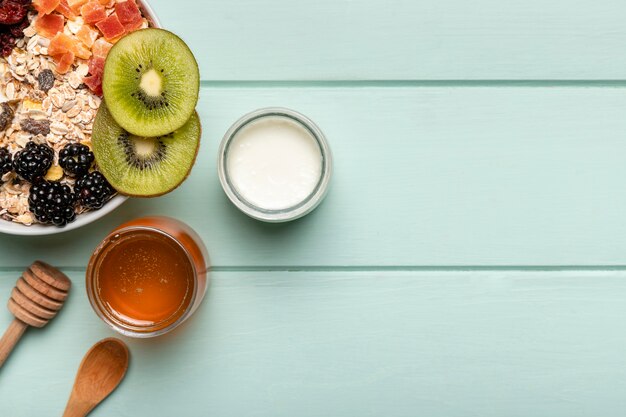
x: 12, y: 12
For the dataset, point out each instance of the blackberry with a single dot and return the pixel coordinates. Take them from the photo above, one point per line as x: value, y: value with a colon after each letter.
x: 6, y: 161
x: 93, y: 190
x: 33, y: 161
x: 52, y: 203
x: 76, y: 159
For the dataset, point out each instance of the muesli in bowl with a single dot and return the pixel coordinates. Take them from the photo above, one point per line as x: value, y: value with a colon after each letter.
x: 51, y: 69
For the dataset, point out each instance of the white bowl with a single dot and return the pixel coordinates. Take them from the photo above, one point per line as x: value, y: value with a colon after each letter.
x: 13, y: 228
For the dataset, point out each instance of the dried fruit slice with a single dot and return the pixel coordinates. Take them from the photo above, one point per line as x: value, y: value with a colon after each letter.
x: 55, y: 173
x: 45, y: 6
x: 29, y: 104
x: 64, y: 62
x: 127, y: 12
x: 93, y: 12
x: 101, y: 48
x: 81, y: 51
x: 75, y: 5
x: 61, y: 44
x: 96, y: 66
x: 133, y: 26
x: 87, y: 35
x: 65, y: 10
x: 49, y: 25
x: 94, y: 82
x: 111, y: 27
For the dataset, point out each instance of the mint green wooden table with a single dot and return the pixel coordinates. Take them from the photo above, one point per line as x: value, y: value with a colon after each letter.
x: 470, y: 259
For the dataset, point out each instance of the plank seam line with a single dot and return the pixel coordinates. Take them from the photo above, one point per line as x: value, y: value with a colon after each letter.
x: 384, y: 268
x: 409, y: 83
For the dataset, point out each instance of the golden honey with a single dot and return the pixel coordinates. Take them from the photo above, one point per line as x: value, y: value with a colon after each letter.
x: 146, y: 279
x: 147, y: 276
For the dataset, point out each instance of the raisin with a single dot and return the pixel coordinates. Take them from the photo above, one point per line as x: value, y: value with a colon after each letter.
x: 6, y: 116
x: 11, y: 12
x: 46, y: 80
x: 36, y: 127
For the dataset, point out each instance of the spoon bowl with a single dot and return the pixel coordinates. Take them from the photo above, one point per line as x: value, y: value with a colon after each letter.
x: 99, y: 373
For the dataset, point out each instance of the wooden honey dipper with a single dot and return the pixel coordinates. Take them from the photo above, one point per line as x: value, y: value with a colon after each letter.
x: 37, y: 297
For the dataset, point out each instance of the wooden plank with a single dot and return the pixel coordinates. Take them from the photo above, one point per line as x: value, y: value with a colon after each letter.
x: 424, y: 176
x: 402, y: 39
x: 361, y: 343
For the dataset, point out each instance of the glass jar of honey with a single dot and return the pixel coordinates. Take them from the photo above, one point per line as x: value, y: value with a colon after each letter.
x: 148, y: 276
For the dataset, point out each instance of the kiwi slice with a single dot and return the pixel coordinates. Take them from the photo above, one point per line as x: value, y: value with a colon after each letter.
x: 141, y: 166
x: 151, y: 82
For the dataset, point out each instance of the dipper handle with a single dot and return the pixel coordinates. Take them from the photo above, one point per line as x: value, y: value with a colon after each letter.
x: 10, y: 338
x: 36, y: 299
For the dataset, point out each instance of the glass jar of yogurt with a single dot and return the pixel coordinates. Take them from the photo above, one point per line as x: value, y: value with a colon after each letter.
x: 275, y: 164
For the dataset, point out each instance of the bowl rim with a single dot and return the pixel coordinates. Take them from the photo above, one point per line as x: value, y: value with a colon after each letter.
x: 18, y: 229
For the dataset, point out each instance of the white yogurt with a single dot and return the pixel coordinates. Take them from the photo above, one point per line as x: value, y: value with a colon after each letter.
x: 274, y: 163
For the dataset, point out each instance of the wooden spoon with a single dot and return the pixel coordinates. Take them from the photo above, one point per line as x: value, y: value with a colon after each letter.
x: 37, y: 297
x: 100, y: 372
